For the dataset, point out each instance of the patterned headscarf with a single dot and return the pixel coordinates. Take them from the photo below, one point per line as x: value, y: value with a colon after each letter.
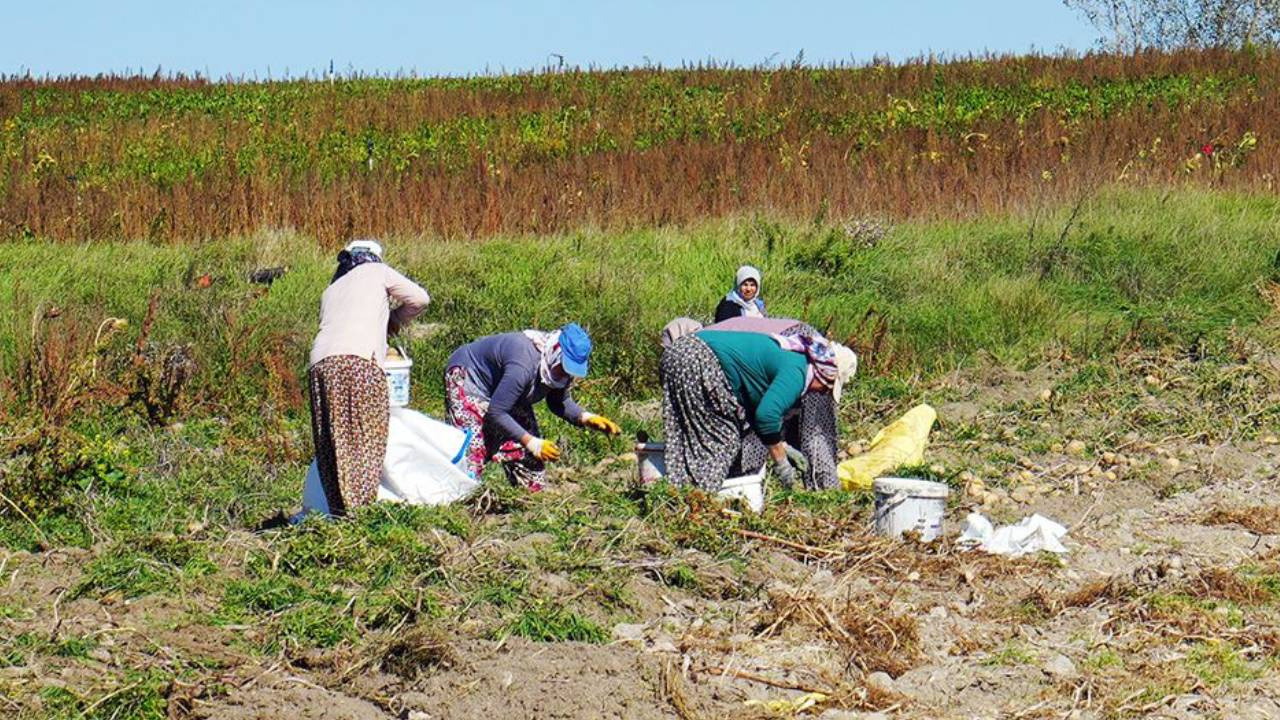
x: 819, y: 353
x: 548, y: 345
x: 349, y: 260
x: 678, y: 328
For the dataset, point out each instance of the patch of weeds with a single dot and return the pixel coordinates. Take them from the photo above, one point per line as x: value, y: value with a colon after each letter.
x: 690, y: 518
x: 18, y: 650
x: 314, y: 624
x: 926, y: 471
x: 543, y: 621
x: 75, y: 647
x: 379, y: 563
x: 682, y: 576
x: 1001, y: 456
x: 268, y: 594
x: 137, y: 694
x: 54, y: 529
x: 1010, y: 655
x: 608, y: 587
x: 607, y: 499
x: 821, y: 502
x: 502, y: 592
x: 153, y: 565
x: 1220, y: 663
x: 1192, y: 614
x: 1090, y: 378
x: 12, y: 612
x: 1103, y: 659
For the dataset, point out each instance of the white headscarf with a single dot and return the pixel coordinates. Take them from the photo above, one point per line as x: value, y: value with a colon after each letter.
x: 755, y: 306
x: 846, y: 367
x: 548, y: 345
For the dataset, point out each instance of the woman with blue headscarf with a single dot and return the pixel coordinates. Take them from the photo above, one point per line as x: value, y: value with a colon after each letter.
x: 744, y: 299
x: 491, y: 385
x: 350, y: 409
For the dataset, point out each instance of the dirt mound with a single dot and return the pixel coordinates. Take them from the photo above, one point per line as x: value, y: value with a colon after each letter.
x: 562, y: 680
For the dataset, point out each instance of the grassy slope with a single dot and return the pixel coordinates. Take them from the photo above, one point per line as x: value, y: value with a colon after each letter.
x: 1155, y: 269
x: 160, y: 505
x: 1166, y: 266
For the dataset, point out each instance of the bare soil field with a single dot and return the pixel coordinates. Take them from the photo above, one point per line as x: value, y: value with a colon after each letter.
x: 1164, y: 467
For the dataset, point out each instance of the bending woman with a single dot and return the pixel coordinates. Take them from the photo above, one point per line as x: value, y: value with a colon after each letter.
x: 724, y: 395
x: 744, y: 298
x: 810, y: 427
x: 349, y: 404
x: 491, y: 386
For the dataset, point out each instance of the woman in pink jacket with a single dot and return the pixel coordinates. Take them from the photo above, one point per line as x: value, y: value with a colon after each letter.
x: 349, y: 403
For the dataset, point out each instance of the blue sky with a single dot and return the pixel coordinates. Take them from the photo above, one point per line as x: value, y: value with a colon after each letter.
x: 244, y: 38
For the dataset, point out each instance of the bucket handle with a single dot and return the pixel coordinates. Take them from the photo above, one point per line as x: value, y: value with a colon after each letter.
x: 894, y: 501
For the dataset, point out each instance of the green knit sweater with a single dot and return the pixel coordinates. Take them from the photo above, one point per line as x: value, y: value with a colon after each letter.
x: 766, y: 379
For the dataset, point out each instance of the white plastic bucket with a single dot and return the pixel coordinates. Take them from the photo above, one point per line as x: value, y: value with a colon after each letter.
x: 649, y: 459
x: 397, y: 372
x: 904, y: 504
x: 749, y: 488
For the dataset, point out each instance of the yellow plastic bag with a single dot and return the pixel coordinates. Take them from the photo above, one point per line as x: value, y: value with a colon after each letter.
x: 898, y: 443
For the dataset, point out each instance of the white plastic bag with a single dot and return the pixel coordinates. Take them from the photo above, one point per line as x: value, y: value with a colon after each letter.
x: 1031, y: 534
x: 424, y: 465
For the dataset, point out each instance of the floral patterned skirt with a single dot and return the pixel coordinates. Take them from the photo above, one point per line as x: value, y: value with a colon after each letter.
x: 349, y: 416
x: 466, y: 407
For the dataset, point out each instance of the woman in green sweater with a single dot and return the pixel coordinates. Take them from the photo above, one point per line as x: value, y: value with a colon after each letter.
x: 724, y: 395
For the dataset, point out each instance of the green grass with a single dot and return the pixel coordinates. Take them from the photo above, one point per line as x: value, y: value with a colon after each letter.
x: 1011, y: 654
x: 1133, y: 266
x: 544, y: 621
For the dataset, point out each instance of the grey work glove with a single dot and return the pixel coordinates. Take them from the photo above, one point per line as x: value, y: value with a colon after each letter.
x: 786, y: 472
x: 797, y: 458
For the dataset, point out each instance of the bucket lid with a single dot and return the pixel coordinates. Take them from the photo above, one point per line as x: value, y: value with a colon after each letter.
x: 911, y: 486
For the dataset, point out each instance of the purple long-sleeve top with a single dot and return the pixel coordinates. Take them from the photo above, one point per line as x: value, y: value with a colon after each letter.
x: 505, y: 369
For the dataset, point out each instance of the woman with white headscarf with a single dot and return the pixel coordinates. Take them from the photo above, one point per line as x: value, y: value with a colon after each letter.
x: 744, y: 299
x: 350, y: 410
x: 492, y: 384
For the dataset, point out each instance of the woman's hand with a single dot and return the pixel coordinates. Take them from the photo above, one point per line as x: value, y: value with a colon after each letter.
x: 782, y: 467
x: 544, y: 450
x: 601, y: 423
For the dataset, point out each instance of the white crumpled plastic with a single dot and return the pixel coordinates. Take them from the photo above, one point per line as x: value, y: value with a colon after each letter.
x: 1031, y: 534
x: 424, y: 465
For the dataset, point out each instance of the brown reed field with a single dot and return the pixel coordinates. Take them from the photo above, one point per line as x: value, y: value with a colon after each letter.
x: 183, y: 159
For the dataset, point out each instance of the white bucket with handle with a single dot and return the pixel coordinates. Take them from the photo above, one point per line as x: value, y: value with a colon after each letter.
x: 652, y: 467
x: 649, y: 458
x: 748, y: 488
x: 904, y: 504
x: 396, y: 367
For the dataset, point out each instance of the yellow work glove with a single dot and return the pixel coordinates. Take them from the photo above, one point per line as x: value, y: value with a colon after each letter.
x: 544, y: 450
x: 601, y: 423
